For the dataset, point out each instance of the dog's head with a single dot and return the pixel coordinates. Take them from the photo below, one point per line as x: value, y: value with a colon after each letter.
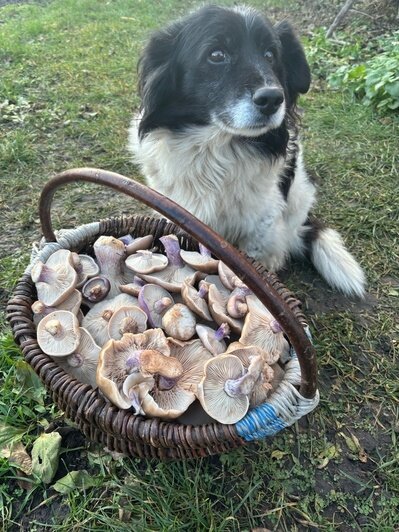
x: 227, y: 67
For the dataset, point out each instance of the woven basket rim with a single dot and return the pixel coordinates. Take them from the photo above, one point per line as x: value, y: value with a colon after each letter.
x: 164, y: 439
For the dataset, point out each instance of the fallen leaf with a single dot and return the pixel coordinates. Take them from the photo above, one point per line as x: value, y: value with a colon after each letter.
x: 45, y: 456
x: 75, y: 480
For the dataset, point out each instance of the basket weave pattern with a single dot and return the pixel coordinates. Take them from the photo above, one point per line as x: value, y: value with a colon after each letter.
x: 121, y: 430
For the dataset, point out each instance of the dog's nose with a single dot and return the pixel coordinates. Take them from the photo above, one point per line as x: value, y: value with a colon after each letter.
x: 268, y: 100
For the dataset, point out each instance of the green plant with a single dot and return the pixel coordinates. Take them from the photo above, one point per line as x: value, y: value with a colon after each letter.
x: 375, y: 81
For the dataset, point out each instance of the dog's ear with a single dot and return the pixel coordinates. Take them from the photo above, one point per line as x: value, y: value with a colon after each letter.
x: 294, y: 60
x: 157, y: 74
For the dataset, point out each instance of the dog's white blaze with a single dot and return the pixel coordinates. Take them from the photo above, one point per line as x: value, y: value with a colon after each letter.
x: 243, y: 116
x: 232, y: 191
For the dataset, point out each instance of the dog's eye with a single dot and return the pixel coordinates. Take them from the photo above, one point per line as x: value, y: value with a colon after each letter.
x: 217, y: 56
x: 269, y: 56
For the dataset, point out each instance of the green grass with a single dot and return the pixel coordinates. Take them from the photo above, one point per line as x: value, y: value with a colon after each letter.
x: 67, y: 92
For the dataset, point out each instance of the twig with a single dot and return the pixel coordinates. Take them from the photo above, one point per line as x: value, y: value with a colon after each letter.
x: 345, y: 8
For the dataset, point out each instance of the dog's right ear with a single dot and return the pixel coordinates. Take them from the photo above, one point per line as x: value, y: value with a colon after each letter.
x: 157, y: 74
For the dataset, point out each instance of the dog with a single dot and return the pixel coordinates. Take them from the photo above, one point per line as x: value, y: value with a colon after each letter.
x: 218, y: 133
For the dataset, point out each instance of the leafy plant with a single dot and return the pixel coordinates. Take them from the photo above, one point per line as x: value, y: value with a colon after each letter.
x: 375, y: 81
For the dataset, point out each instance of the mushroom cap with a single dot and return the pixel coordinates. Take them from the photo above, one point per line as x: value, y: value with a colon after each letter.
x: 145, y: 353
x: 96, y: 320
x: 144, y: 261
x: 194, y: 301
x: 86, y: 267
x: 258, y: 330
x: 82, y: 363
x: 127, y: 320
x: 96, y: 289
x: 171, y: 278
x: 155, y: 301
x: 210, y: 340
x: 132, y: 288
x: 215, y: 280
x: 179, y: 322
x: 252, y: 358
x: 58, y: 333
x: 217, y: 305
x: 139, y: 243
x: 55, y: 279
x: 237, y: 306
x: 71, y: 303
x: 200, y: 262
x: 211, y: 390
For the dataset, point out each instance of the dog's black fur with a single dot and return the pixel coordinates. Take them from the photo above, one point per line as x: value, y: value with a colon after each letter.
x: 229, y: 77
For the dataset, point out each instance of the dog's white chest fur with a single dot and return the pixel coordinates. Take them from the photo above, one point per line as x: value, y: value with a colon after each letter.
x: 230, y: 187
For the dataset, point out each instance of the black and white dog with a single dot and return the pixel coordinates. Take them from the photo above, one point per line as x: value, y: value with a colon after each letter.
x: 218, y: 133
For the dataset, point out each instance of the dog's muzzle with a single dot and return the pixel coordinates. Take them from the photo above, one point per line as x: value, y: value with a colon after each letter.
x: 268, y: 100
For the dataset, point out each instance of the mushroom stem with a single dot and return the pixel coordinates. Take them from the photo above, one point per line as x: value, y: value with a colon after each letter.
x: 162, y: 304
x: 222, y: 332
x: 41, y: 273
x: 204, y: 251
x: 172, y: 250
x: 165, y: 383
x: 275, y: 327
x: 54, y: 327
x: 203, y: 290
x: 241, y: 386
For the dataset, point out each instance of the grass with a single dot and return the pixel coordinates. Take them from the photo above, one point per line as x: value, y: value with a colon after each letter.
x: 67, y: 92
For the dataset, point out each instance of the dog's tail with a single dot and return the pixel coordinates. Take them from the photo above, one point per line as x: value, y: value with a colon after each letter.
x: 330, y: 257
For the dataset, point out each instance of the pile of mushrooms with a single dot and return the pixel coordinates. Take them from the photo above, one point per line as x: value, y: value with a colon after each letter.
x: 168, y: 333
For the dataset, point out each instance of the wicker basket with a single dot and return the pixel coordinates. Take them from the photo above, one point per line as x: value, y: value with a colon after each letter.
x: 121, y: 430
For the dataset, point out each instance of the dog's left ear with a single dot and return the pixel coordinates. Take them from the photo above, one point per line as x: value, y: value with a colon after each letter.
x: 294, y: 60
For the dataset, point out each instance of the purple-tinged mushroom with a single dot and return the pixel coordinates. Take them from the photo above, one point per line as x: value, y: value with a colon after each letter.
x: 201, y: 261
x: 155, y: 301
x: 195, y: 299
x: 237, y: 305
x: 172, y: 277
x: 111, y: 254
x: 179, y: 322
x: 213, y: 340
x: 85, y: 266
x: 96, y: 289
x: 71, y: 303
x: 134, y: 287
x: 146, y: 262
x: 217, y: 302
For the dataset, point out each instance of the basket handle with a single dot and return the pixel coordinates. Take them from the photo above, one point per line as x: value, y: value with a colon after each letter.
x: 209, y: 238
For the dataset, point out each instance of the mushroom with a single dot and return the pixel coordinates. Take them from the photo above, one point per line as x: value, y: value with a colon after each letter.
x: 127, y: 320
x: 179, y: 322
x: 155, y: 301
x: 236, y: 304
x: 215, y: 280
x: 249, y: 356
x: 96, y: 289
x: 169, y: 398
x: 55, y: 279
x: 194, y: 299
x: 82, y: 363
x: 201, y: 261
x: 140, y: 243
x: 71, y: 303
x: 145, y: 353
x: 172, y: 277
x: 146, y: 262
x: 223, y: 391
x: 213, y: 340
x: 134, y: 287
x: 111, y: 254
x: 227, y: 276
x: 58, y: 333
x: 85, y: 267
x: 261, y: 329
x: 96, y: 320
x: 218, y: 306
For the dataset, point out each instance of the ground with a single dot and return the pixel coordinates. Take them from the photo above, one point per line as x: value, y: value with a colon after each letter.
x: 66, y: 95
